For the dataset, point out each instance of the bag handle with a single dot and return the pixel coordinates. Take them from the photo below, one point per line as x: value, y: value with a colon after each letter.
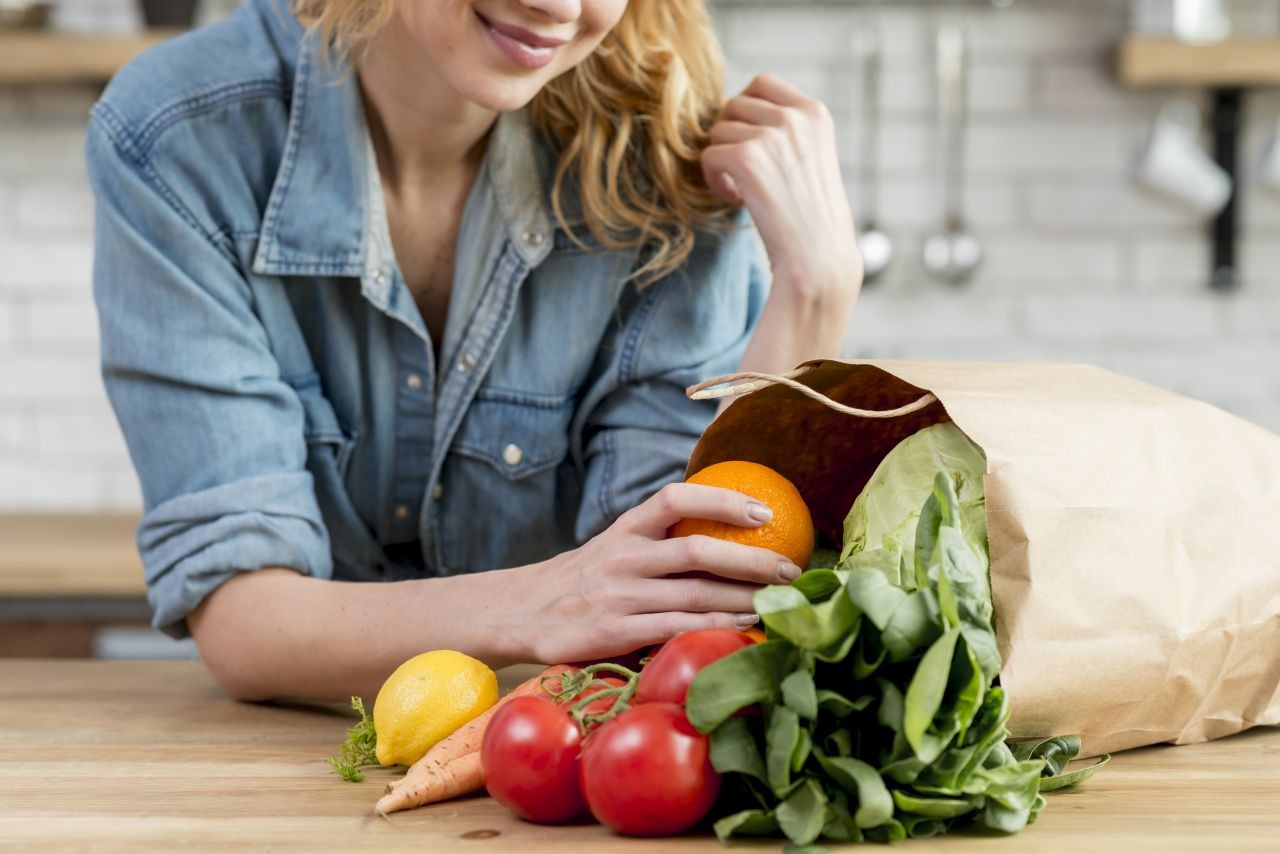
x: 706, y: 390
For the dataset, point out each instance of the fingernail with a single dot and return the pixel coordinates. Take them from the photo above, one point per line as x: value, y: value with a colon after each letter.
x: 745, y: 621
x: 759, y: 512
x: 788, y: 571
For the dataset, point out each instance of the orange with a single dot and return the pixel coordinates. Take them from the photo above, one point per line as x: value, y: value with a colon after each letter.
x: 789, y: 532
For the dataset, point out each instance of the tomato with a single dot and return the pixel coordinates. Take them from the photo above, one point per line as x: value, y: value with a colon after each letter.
x: 529, y: 757
x: 756, y: 634
x: 666, y: 678
x: 648, y: 772
x: 604, y: 704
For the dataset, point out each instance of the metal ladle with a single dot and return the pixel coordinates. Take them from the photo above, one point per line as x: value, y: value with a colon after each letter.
x: 953, y: 253
x: 874, y: 245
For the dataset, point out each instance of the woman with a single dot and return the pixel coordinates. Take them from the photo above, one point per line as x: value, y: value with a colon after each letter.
x: 409, y: 291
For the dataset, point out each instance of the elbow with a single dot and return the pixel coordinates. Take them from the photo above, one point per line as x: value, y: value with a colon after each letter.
x: 229, y: 668
x: 227, y: 655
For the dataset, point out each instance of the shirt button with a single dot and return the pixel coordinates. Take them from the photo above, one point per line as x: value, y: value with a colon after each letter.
x: 512, y: 455
x: 413, y: 381
x: 466, y: 362
x: 379, y: 277
x: 402, y: 511
x: 533, y: 238
x: 437, y: 492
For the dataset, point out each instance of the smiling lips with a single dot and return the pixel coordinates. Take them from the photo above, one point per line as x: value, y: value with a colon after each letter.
x: 523, y: 47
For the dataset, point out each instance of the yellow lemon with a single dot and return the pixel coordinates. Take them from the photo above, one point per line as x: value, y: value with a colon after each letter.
x: 426, y: 699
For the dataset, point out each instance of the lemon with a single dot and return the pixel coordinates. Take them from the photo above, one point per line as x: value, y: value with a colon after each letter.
x: 426, y: 699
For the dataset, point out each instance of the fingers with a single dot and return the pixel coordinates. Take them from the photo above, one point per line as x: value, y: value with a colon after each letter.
x: 717, y: 163
x: 677, y: 501
x: 645, y: 629
x: 773, y: 88
x: 729, y: 560
x: 755, y: 111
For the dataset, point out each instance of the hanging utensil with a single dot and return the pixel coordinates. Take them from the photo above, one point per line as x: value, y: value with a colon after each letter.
x: 875, y: 246
x: 952, y: 253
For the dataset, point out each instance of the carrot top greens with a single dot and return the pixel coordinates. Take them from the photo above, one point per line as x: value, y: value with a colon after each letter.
x: 359, y: 750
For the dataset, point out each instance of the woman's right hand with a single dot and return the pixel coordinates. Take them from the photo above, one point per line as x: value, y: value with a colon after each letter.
x: 626, y: 588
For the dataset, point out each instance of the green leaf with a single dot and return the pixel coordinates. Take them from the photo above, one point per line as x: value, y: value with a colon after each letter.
x: 913, y: 627
x: 804, y: 746
x: 818, y: 584
x: 840, y: 705
x: 781, y: 739
x: 803, y: 813
x: 751, y: 675
x: 358, y: 750
x: 1071, y: 778
x: 886, y: 514
x: 925, y: 693
x: 734, y: 749
x: 828, y: 628
x: 800, y: 695
x: 875, y: 805
x: 932, y: 807
x: 1056, y: 752
x: 871, y: 590
x: 746, y: 823
x: 870, y: 655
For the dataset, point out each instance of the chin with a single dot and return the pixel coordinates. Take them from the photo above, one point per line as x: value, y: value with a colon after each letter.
x: 501, y: 92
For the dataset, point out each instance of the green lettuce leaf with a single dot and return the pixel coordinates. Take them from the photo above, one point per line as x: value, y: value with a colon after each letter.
x: 886, y: 514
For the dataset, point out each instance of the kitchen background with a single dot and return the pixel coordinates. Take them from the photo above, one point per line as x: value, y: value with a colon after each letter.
x: 1078, y: 263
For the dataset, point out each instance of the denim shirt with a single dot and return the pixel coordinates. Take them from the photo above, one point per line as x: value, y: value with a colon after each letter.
x: 275, y: 381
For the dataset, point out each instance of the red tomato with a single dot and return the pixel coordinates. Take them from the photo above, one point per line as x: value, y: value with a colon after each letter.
x: 529, y: 757
x: 648, y: 772
x: 666, y: 678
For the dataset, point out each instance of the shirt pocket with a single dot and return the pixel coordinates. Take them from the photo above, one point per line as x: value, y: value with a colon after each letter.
x: 509, y: 496
x: 517, y: 434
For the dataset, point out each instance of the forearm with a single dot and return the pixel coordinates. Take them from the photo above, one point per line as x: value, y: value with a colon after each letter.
x: 276, y: 633
x: 798, y: 324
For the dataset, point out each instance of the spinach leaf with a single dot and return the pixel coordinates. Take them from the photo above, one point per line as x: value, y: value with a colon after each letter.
x: 802, y: 815
x: 751, y: 675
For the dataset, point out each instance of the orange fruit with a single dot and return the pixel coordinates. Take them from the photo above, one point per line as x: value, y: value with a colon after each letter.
x: 789, y: 532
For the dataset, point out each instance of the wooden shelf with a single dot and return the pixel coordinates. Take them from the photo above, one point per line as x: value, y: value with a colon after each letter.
x: 69, y: 557
x: 1158, y: 61
x: 47, y: 57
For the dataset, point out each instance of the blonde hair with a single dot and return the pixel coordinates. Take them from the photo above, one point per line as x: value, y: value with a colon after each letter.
x: 627, y: 124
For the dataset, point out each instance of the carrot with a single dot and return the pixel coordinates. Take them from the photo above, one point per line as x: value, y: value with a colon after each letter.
x: 452, y: 767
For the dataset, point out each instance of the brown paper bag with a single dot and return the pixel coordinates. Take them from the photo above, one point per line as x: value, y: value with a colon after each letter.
x: 1134, y: 533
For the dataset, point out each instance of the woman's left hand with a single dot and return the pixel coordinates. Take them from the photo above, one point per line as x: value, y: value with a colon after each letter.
x: 774, y: 151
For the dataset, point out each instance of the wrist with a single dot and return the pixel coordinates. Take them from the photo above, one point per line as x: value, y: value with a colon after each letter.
x: 817, y: 287
x: 506, y: 622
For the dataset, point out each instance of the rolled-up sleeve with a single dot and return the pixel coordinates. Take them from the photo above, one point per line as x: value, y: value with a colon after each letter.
x: 215, y: 434
x: 638, y: 427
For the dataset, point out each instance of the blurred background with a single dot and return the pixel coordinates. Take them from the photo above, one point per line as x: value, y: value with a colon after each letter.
x: 1067, y: 180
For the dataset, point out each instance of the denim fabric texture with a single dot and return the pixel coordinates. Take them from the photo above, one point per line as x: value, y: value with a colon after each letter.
x: 275, y: 381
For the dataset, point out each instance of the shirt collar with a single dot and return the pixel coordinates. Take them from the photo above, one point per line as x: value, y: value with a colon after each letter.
x: 318, y: 219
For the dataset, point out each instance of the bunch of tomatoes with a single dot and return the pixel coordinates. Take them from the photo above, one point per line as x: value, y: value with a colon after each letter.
x: 612, y: 743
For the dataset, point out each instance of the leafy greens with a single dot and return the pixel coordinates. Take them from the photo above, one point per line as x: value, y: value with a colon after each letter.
x: 879, y: 717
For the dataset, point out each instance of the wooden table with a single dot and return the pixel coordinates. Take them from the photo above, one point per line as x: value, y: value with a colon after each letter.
x: 152, y: 756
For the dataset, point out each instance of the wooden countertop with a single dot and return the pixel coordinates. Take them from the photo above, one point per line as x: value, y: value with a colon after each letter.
x: 152, y: 756
x: 70, y: 556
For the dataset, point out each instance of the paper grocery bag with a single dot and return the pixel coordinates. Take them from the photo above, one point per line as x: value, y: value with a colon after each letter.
x: 1134, y: 533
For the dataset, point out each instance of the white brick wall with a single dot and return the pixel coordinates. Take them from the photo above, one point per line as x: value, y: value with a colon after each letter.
x: 1079, y: 265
